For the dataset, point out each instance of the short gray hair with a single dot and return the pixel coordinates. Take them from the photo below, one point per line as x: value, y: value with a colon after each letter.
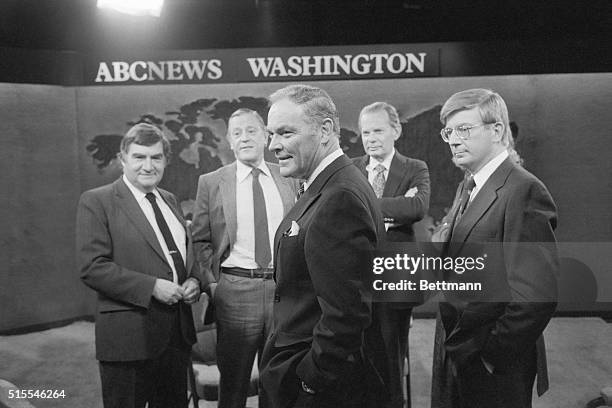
x: 394, y: 121
x: 317, y: 104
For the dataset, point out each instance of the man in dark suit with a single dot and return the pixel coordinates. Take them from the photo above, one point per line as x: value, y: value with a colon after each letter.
x: 317, y: 354
x: 493, y: 349
x: 401, y: 185
x: 134, y: 249
x: 236, y: 214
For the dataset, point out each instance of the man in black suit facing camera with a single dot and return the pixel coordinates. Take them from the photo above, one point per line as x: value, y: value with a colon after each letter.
x: 401, y: 185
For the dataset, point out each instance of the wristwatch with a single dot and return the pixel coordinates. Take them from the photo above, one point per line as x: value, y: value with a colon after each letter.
x: 307, y: 389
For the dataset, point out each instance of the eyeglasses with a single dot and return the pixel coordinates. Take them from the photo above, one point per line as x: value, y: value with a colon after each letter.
x: 463, y: 131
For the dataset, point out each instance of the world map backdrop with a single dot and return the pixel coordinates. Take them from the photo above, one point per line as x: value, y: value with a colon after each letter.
x: 60, y: 141
x: 197, y: 149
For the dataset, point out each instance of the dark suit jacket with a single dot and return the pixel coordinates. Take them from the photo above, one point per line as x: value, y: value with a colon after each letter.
x: 214, y: 216
x: 404, y: 174
x: 323, y: 297
x: 512, y: 208
x: 119, y: 256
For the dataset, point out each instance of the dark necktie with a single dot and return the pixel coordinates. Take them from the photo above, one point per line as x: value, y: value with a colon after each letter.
x: 262, y: 238
x: 378, y: 184
x: 465, y: 195
x: 179, y: 265
x: 468, y: 186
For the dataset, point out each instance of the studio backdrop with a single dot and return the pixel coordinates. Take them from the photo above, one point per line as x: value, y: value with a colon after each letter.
x: 58, y: 141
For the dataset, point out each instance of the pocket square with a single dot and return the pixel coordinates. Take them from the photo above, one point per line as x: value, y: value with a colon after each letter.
x: 411, y: 192
x: 294, y: 230
x: 440, y: 232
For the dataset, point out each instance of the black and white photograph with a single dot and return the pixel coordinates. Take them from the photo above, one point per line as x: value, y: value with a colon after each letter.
x: 293, y: 203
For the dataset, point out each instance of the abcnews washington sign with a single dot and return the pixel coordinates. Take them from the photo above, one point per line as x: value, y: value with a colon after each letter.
x: 265, y: 65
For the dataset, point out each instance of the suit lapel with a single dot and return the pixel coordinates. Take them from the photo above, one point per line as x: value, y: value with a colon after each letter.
x: 227, y: 188
x: 397, y: 173
x: 361, y: 164
x: 482, y: 202
x: 177, y: 213
x: 130, y: 206
x: 294, y: 214
x: 306, y: 200
x: 455, y: 209
x: 190, y: 255
x: 310, y: 196
x: 318, y: 184
x: 284, y: 189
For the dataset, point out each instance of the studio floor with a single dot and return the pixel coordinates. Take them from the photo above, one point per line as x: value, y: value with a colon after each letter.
x: 579, y: 358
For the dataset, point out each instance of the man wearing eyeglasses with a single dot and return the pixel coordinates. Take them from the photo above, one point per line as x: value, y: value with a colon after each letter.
x: 493, y: 349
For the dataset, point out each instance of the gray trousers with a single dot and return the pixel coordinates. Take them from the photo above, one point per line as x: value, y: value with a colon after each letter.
x: 244, y: 320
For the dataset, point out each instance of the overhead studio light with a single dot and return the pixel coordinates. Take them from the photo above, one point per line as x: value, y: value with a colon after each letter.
x: 133, y: 7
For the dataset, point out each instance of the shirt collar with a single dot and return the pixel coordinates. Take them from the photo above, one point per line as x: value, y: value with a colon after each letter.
x: 483, y: 174
x: 138, y: 195
x: 387, y: 162
x: 243, y: 170
x: 322, y: 165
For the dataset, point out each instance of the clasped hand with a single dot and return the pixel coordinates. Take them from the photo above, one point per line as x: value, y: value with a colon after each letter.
x: 170, y: 293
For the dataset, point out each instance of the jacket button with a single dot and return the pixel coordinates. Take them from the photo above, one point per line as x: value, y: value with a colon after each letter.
x: 276, y: 298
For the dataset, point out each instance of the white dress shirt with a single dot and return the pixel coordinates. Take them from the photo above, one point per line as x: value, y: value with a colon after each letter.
x: 176, y: 228
x: 242, y: 254
x: 482, y: 175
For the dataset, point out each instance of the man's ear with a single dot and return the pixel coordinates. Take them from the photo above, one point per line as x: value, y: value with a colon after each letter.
x: 120, y: 157
x: 498, y: 131
x: 327, y: 130
x: 229, y: 141
x: 398, y: 133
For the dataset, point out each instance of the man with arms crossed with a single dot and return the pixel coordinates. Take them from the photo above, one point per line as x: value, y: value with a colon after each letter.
x: 401, y: 185
x: 317, y: 356
x: 237, y: 210
x: 134, y: 249
x: 493, y: 349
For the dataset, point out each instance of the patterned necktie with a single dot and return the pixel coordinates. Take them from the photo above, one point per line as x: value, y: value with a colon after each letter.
x: 300, y: 190
x: 262, y: 238
x: 177, y: 259
x: 379, y: 180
